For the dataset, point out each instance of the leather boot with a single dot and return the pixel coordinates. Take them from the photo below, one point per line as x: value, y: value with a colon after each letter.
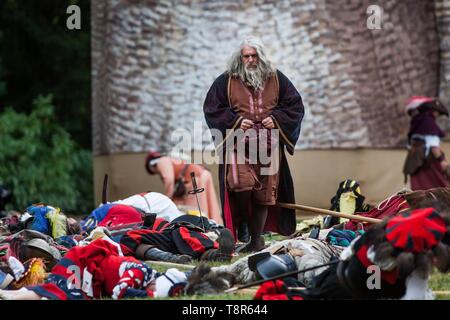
x: 159, y: 255
x: 242, y: 232
x: 226, y: 248
x: 258, y: 220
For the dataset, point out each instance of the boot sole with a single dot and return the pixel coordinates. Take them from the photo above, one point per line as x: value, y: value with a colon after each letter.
x: 226, y: 242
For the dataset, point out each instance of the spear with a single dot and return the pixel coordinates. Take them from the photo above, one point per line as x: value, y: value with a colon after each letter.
x: 328, y: 212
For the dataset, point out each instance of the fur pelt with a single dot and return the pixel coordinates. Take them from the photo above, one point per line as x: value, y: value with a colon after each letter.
x: 204, y: 281
x: 438, y: 198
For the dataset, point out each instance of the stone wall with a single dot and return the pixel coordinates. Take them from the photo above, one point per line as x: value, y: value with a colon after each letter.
x: 153, y: 62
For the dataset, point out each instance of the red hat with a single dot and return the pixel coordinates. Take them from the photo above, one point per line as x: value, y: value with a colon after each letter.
x: 422, y: 103
x: 152, y: 155
x: 416, y: 231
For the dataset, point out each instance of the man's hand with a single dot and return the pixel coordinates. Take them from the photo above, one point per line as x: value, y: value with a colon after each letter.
x: 268, y: 123
x: 246, y: 124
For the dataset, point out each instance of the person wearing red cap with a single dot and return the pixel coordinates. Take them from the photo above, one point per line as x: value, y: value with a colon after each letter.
x: 174, y: 172
x: 425, y: 163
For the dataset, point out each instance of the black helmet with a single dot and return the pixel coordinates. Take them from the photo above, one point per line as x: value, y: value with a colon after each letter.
x: 266, y: 265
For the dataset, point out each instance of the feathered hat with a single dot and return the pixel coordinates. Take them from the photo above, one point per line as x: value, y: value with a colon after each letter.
x: 420, y: 103
x: 151, y: 160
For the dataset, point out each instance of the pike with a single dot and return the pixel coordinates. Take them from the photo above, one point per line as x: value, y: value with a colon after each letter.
x: 105, y: 189
x: 196, y: 191
x: 328, y: 212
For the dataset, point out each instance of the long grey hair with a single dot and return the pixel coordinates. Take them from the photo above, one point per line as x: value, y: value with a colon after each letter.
x: 264, y: 68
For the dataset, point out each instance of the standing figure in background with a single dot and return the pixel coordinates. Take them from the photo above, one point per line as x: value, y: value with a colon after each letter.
x: 176, y: 176
x: 425, y: 163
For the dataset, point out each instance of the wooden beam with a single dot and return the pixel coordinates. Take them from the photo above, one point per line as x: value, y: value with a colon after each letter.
x: 328, y: 212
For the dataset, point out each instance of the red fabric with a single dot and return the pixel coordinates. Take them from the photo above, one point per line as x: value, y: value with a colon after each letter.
x: 429, y: 177
x: 274, y: 290
x: 89, y: 257
x: 110, y: 267
x: 159, y: 224
x: 194, y: 243
x: 388, y: 276
x: 53, y: 289
x: 136, y: 238
x: 227, y: 215
x: 417, y: 231
x: 121, y: 215
x: 391, y: 208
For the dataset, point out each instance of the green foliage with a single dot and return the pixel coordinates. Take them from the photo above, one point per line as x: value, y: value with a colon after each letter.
x: 41, y: 56
x: 40, y: 162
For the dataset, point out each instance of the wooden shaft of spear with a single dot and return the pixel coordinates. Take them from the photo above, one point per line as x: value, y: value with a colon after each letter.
x: 328, y: 212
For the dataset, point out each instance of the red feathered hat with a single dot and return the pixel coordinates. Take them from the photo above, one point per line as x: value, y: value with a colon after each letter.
x: 423, y: 103
x: 152, y: 155
x: 416, y: 231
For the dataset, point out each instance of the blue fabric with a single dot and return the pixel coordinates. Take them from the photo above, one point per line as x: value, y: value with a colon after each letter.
x: 3, y: 276
x: 66, y: 241
x: 40, y: 222
x: 342, y: 238
x: 61, y: 283
x: 135, y: 293
x: 96, y: 216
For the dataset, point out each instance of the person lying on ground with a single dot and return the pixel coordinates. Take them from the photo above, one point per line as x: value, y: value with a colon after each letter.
x: 178, y: 242
x: 99, y: 270
x: 305, y: 252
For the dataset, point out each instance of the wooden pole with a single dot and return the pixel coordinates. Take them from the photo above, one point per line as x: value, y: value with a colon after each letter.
x: 170, y: 264
x: 328, y: 212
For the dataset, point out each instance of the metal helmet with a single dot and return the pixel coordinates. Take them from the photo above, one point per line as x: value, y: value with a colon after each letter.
x: 266, y: 265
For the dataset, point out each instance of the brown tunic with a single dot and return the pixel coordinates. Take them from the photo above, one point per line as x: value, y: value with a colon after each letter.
x: 255, y: 106
x: 252, y: 105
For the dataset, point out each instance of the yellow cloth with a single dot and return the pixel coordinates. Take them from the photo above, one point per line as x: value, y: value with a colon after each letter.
x: 58, y: 222
x: 306, y: 225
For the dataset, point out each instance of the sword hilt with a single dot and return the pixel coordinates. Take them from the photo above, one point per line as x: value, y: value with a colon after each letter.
x: 194, y: 184
x: 196, y: 191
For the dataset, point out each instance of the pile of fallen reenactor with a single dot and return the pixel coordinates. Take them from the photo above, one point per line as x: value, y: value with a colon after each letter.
x: 44, y: 254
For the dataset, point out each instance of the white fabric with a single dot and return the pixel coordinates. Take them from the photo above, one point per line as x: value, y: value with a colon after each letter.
x: 347, y: 253
x: 170, y: 278
x: 417, y: 288
x: 25, y: 217
x: 17, y: 267
x: 430, y: 141
x: 157, y: 203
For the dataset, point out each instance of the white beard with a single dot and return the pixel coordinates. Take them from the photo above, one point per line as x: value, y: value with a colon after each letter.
x: 254, y: 77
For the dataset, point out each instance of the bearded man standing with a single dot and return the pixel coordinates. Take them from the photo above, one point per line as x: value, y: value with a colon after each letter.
x: 252, y: 94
